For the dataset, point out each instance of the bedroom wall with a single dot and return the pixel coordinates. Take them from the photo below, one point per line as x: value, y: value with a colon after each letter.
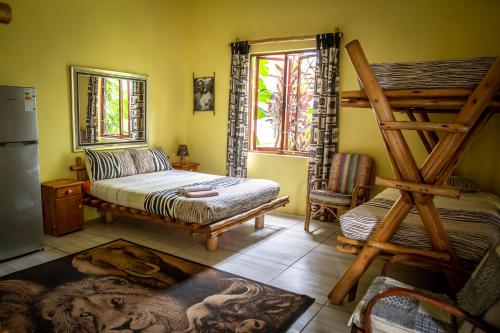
x: 388, y: 30
x: 46, y: 37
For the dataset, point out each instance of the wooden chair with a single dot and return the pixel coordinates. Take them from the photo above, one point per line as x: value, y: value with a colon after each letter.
x: 346, y: 187
x: 390, y: 305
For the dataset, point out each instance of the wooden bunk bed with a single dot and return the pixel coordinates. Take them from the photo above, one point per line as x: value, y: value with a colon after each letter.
x: 418, y: 185
x: 211, y: 231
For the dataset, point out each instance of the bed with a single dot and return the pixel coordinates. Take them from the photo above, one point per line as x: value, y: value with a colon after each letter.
x: 471, y: 222
x: 154, y: 197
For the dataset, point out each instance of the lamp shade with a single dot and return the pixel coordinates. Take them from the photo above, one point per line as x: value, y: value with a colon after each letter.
x: 183, y: 151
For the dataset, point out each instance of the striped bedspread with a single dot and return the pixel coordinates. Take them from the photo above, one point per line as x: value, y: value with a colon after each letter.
x: 472, y: 222
x: 156, y: 193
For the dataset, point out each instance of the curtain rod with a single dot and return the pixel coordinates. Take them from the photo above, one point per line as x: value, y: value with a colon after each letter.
x: 284, y: 39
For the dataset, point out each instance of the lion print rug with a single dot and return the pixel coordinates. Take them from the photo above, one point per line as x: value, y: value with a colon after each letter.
x: 122, y: 287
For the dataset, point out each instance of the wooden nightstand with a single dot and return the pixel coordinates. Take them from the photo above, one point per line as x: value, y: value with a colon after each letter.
x: 188, y: 166
x: 62, y: 202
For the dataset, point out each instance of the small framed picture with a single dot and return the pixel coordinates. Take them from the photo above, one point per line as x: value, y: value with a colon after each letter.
x: 204, y: 93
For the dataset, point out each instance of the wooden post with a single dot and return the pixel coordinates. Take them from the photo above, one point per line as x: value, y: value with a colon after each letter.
x: 108, y: 216
x: 212, y: 242
x: 259, y: 222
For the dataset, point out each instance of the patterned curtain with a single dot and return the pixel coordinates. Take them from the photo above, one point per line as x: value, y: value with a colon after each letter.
x: 324, y: 139
x: 91, y: 123
x: 237, y: 129
x: 137, y: 100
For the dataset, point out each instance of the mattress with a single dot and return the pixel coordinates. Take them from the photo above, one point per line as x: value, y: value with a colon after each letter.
x: 472, y: 222
x: 156, y: 193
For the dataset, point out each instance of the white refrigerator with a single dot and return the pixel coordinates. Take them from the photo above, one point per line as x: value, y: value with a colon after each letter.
x: 21, y: 226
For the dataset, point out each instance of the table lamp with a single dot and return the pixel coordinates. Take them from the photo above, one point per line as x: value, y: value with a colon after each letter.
x: 183, y: 153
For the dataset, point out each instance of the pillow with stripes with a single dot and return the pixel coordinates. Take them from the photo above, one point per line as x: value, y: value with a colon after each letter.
x: 464, y: 184
x: 150, y: 160
x: 106, y: 165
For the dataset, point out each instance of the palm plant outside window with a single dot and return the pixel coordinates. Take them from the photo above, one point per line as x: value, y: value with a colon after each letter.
x: 281, y: 102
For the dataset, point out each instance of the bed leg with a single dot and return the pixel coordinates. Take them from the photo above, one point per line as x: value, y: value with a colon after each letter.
x: 259, y: 222
x: 212, y: 242
x: 108, y: 217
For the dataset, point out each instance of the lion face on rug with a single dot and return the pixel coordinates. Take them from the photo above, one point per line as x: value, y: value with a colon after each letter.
x: 135, y: 263
x: 237, y: 308
x: 111, y: 304
x: 16, y: 296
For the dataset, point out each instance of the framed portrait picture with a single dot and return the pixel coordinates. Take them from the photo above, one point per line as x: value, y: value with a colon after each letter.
x: 204, y: 93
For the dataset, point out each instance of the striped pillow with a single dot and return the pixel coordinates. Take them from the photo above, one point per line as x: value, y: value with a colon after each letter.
x: 106, y: 165
x: 150, y: 160
x: 464, y: 184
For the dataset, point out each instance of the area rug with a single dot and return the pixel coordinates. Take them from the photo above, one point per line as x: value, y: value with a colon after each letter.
x: 125, y: 287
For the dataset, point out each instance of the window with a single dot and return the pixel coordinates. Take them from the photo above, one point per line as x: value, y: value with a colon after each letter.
x: 115, y: 119
x: 281, y: 102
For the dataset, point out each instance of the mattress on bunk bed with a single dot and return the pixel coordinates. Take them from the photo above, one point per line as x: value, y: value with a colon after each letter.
x: 472, y: 222
x: 157, y: 193
x: 464, y: 73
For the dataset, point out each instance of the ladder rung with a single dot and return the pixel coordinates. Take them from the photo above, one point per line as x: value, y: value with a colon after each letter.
x: 443, y: 191
x: 399, y: 249
x: 424, y: 126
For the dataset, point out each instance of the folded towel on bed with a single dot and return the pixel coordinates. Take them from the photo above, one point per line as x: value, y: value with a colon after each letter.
x: 201, y: 194
x: 194, y: 188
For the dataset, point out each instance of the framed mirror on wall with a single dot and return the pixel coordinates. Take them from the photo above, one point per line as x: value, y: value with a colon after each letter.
x: 109, y: 109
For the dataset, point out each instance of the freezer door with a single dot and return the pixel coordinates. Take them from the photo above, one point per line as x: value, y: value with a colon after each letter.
x: 21, y: 227
x: 17, y: 114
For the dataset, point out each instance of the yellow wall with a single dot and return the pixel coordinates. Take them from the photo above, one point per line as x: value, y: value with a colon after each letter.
x: 169, y: 40
x: 46, y: 37
x: 388, y: 30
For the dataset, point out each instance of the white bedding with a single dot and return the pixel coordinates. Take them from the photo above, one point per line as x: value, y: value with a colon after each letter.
x: 235, y: 195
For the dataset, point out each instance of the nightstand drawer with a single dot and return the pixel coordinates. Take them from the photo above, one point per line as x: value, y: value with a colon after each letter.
x: 68, y: 190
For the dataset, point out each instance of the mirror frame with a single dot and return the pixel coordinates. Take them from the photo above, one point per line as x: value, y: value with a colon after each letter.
x: 75, y: 72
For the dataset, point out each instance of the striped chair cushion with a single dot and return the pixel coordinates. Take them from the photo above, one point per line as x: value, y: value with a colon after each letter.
x: 349, y: 170
x: 150, y: 160
x: 105, y: 165
x: 400, y: 314
x: 329, y: 197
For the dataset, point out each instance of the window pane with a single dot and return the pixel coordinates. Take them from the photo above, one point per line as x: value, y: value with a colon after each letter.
x: 125, y: 106
x: 269, y: 106
x: 111, y: 107
x: 300, y: 100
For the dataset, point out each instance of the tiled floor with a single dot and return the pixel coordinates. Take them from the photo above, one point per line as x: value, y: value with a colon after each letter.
x: 282, y: 254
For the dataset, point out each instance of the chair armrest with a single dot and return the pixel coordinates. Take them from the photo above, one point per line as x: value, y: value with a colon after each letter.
x: 451, y: 309
x: 355, y: 193
x: 426, y: 263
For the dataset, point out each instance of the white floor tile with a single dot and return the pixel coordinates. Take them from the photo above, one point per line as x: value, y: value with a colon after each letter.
x: 200, y: 254
x: 4, y: 270
x: 329, y: 320
x: 253, y: 268
x: 34, y: 259
x: 277, y: 252
x: 304, y: 319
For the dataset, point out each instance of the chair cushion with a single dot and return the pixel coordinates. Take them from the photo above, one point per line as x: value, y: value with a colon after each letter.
x: 402, y: 314
x: 349, y: 170
x: 329, y: 197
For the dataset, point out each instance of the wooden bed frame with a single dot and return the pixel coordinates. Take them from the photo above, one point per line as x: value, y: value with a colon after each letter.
x: 211, y: 231
x: 418, y: 185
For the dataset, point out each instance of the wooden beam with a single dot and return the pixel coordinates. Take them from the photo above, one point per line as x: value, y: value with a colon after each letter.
x: 398, y: 249
x: 409, y: 103
x: 423, y: 126
x: 402, y: 185
x: 415, y: 93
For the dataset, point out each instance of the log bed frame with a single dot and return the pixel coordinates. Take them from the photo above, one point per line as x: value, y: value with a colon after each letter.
x: 418, y: 185
x: 211, y: 231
